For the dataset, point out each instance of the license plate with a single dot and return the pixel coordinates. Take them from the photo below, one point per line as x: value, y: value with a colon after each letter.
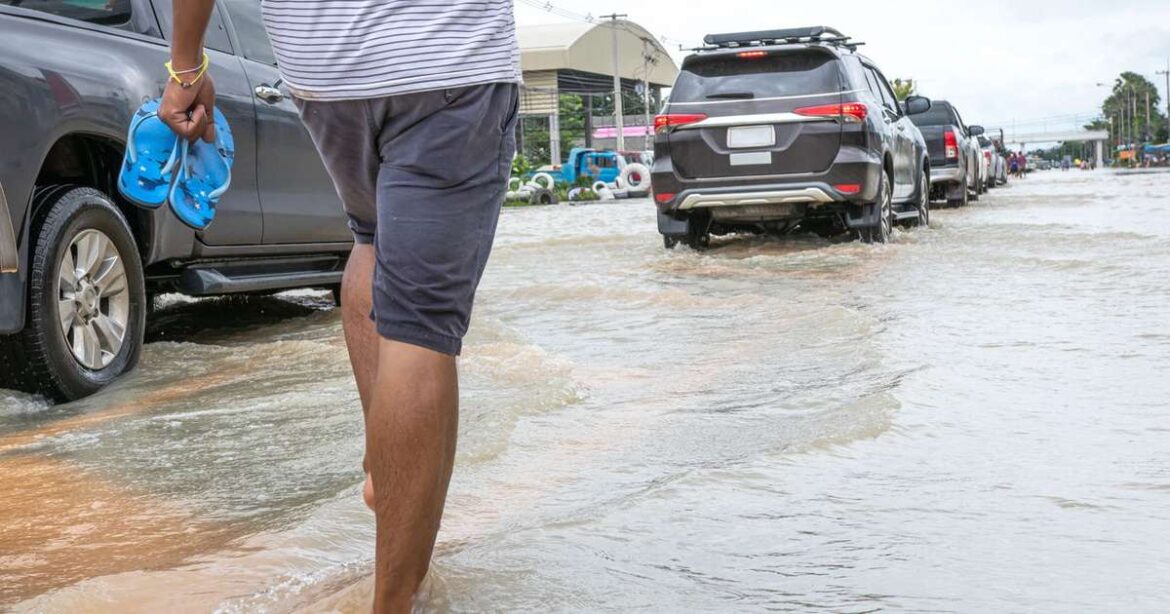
x: 742, y: 137
x: 751, y: 158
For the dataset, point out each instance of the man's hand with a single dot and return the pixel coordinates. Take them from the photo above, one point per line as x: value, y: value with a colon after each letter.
x: 189, y: 111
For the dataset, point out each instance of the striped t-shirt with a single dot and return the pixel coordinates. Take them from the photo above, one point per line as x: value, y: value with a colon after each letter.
x: 351, y: 49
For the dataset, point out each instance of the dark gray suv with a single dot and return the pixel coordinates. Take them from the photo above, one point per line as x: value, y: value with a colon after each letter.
x: 783, y: 130
x: 78, y: 263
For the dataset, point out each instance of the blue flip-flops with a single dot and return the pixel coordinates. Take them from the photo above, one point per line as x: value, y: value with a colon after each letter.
x: 159, y: 167
x: 151, y: 153
x: 205, y: 173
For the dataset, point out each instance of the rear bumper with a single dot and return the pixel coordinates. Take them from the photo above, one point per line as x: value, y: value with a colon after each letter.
x: 737, y: 206
x: 699, y: 199
x: 946, y: 174
x: 853, y: 166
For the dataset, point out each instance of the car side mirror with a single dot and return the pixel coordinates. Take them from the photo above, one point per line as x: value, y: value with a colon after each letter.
x: 915, y: 105
x: 975, y: 130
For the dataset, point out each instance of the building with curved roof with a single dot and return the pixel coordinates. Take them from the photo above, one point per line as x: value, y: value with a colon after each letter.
x: 578, y: 58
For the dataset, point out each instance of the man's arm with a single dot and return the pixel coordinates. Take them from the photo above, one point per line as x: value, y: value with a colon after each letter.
x: 188, y: 110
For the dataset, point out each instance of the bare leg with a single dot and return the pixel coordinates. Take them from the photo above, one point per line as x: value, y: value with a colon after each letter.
x: 357, y: 287
x: 410, y: 447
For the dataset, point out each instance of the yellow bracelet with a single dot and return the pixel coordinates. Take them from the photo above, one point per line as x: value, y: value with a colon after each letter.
x: 199, y: 72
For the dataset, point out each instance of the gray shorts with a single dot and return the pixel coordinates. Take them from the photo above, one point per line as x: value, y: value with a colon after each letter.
x: 422, y: 177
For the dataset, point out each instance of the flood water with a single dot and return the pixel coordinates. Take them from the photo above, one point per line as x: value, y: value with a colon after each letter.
x: 975, y: 418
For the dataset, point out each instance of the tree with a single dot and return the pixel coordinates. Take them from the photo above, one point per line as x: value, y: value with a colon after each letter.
x: 535, y: 131
x: 1126, y: 109
x: 903, y: 88
x: 572, y: 117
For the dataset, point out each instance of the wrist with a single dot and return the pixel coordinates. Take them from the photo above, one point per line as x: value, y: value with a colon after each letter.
x: 186, y: 61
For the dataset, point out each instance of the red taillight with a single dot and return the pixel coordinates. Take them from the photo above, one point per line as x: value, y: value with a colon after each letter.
x: 751, y: 55
x: 852, y: 112
x: 951, y: 142
x: 987, y: 156
x: 664, y: 197
x: 848, y: 188
x: 674, y: 120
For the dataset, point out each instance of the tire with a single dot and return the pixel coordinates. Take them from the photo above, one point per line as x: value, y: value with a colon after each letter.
x: 669, y: 242
x: 103, y: 290
x: 698, y: 235
x: 923, y: 204
x: 884, y: 229
x: 962, y: 200
x: 541, y: 196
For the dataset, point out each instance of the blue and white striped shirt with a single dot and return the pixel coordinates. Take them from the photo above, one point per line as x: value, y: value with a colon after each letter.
x: 353, y: 49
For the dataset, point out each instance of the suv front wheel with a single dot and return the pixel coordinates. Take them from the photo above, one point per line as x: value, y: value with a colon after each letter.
x: 86, y: 304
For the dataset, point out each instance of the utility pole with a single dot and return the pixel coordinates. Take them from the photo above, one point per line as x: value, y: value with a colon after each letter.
x: 647, y: 60
x: 1133, y: 116
x: 1166, y: 73
x: 617, y: 82
x: 1146, y: 128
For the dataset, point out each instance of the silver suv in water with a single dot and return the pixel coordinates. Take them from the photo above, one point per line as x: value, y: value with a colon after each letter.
x: 782, y: 130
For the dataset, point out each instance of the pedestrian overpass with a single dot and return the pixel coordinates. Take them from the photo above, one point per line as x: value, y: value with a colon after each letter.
x: 1097, y: 137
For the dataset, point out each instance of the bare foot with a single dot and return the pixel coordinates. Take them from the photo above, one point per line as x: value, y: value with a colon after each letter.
x: 368, y: 492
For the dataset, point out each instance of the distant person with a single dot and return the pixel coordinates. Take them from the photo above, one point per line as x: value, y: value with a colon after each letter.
x: 1013, y: 164
x: 412, y: 107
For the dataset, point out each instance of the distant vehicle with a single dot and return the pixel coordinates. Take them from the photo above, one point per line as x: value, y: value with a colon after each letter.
x: 78, y: 263
x: 996, y: 167
x: 639, y: 157
x: 774, y: 131
x: 954, y: 154
x: 596, y: 165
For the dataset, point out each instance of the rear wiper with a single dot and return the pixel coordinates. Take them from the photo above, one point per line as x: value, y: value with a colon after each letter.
x: 733, y: 95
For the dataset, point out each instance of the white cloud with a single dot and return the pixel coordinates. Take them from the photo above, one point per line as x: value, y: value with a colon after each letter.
x: 997, y: 60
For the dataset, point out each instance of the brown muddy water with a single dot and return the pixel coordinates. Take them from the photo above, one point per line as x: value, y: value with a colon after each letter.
x: 973, y: 419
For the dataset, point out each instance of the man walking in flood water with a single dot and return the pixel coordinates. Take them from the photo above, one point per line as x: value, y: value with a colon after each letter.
x: 412, y: 107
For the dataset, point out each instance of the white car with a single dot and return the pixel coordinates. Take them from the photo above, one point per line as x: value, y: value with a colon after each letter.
x: 994, y: 166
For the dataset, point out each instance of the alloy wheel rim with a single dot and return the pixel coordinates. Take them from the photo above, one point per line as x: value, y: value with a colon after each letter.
x: 887, y: 211
x: 924, y: 210
x: 93, y: 299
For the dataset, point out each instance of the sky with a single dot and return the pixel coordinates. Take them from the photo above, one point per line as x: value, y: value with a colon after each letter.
x: 1032, y: 63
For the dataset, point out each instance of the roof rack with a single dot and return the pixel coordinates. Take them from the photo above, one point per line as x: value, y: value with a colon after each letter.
x: 787, y: 36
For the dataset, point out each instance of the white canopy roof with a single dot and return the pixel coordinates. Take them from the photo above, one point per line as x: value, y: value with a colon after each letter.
x: 588, y: 47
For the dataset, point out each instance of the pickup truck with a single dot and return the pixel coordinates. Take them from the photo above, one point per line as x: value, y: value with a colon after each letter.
x: 79, y: 265
x: 590, y: 164
x: 956, y: 160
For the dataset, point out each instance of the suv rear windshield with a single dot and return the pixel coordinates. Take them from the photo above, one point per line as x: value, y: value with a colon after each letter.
x: 940, y: 114
x: 727, y: 77
x: 104, y: 12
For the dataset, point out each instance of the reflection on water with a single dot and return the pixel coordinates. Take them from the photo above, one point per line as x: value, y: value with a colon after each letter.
x: 972, y: 418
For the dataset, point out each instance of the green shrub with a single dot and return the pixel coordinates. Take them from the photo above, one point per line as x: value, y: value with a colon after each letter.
x: 520, y: 166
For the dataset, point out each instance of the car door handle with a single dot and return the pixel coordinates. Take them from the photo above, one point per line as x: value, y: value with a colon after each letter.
x: 269, y: 94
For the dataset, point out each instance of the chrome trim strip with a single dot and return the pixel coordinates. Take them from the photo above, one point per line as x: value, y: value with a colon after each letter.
x: 9, y: 257
x: 753, y: 120
x: 742, y: 100
x: 770, y: 197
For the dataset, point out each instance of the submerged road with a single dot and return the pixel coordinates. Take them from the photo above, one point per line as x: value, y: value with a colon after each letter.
x: 974, y: 418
